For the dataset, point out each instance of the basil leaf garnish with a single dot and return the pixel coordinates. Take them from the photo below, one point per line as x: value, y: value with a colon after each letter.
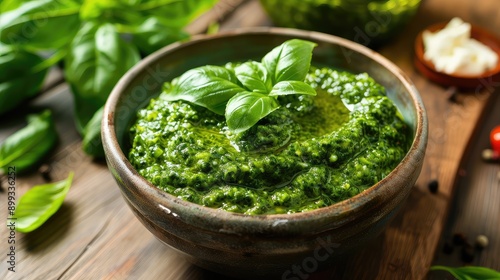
x: 291, y: 87
x: 247, y: 108
x: 39, y: 203
x: 253, y: 75
x: 249, y: 92
x: 25, y: 148
x: 290, y: 61
x: 207, y: 86
x: 469, y: 272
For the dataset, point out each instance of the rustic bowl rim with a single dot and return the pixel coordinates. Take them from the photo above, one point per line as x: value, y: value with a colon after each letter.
x: 259, y: 223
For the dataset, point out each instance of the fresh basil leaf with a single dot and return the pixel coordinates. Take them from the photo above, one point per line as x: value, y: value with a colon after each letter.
x: 8, y: 5
x: 175, y: 13
x: 253, y: 75
x: 153, y: 35
x: 289, y: 61
x: 110, y: 11
x: 39, y: 203
x: 469, y: 272
x: 27, y: 146
x: 97, y: 59
x: 246, y: 108
x: 17, y: 80
x: 42, y: 24
x: 207, y: 86
x: 292, y: 87
x: 92, y: 142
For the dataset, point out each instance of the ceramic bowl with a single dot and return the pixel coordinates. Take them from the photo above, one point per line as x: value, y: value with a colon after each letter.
x: 263, y: 245
x: 426, y: 67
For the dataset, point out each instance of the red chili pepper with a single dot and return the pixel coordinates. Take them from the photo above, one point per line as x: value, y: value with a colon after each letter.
x: 495, y: 139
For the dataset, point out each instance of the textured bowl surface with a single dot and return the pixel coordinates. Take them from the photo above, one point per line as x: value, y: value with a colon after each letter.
x: 250, y: 246
x: 427, y: 68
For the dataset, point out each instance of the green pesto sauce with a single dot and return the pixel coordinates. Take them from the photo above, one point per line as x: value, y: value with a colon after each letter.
x: 312, y: 152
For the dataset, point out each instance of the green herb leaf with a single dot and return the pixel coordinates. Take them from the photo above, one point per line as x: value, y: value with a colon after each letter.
x: 152, y: 34
x: 97, y: 59
x: 111, y: 11
x: 174, y: 13
x: 8, y: 5
x: 17, y: 81
x: 292, y: 87
x: 254, y: 76
x: 42, y: 24
x: 207, y: 86
x: 39, y: 203
x: 92, y: 141
x: 469, y: 272
x: 247, y: 108
x: 26, y: 147
x: 247, y: 94
x: 289, y: 61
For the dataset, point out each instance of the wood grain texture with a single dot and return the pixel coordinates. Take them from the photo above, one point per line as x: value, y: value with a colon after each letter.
x: 96, y: 236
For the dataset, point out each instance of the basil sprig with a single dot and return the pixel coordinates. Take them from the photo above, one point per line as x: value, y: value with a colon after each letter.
x: 250, y: 92
x: 469, y: 272
x: 39, y: 203
x: 25, y: 148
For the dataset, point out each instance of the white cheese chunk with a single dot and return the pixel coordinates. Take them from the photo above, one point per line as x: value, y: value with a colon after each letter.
x: 453, y: 51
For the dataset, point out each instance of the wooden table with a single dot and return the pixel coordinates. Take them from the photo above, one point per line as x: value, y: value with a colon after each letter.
x: 95, y: 236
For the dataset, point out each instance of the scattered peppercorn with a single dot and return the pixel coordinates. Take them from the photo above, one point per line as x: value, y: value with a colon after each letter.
x: 447, y: 248
x: 481, y: 242
x: 467, y: 253
x: 45, y: 172
x: 459, y: 239
x: 433, y: 186
x: 490, y: 155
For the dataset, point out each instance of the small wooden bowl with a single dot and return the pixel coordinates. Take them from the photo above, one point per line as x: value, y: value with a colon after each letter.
x: 427, y: 68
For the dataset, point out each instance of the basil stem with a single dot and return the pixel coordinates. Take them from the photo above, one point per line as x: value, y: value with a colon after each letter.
x: 25, y: 148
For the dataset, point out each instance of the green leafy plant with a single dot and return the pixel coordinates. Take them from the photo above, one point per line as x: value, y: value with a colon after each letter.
x: 25, y: 148
x: 39, y: 203
x: 19, y: 79
x: 99, y: 41
x: 250, y: 92
x: 470, y: 272
x: 92, y: 141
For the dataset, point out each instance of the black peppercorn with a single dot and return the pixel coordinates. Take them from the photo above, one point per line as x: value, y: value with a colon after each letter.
x: 459, y: 239
x: 447, y: 248
x: 433, y: 186
x: 467, y: 253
